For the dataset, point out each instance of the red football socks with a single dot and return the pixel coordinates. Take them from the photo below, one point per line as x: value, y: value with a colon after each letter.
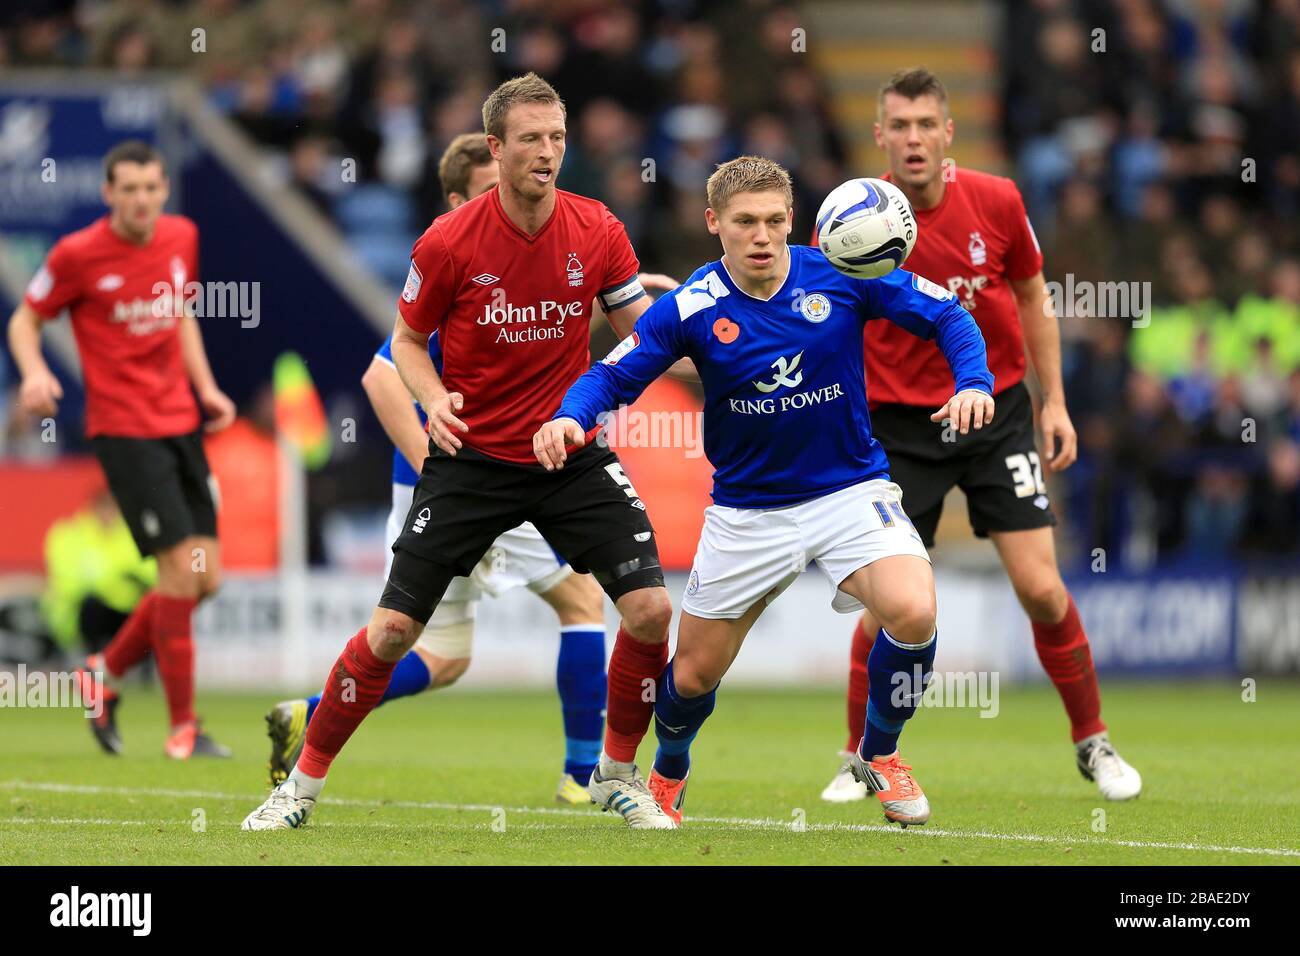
x: 355, y: 685
x: 173, y: 648
x: 634, y: 669
x: 131, y: 643
x: 1063, y: 650
x: 858, y: 685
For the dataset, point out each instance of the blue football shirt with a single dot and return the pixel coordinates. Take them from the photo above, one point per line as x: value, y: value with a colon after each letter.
x: 785, y: 403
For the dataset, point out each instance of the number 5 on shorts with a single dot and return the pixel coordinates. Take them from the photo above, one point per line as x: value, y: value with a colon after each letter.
x: 621, y: 479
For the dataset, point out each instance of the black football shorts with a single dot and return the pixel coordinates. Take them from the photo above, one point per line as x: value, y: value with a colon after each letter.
x: 997, y: 467
x: 162, y: 485
x: 588, y: 511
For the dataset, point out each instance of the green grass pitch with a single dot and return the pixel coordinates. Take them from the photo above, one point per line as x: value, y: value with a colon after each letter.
x: 468, y: 777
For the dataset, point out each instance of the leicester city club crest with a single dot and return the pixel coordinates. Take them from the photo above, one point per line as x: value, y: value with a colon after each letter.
x: 815, y: 307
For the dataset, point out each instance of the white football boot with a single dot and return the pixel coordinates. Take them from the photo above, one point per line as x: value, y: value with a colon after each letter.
x: 1100, y: 762
x: 282, y: 810
x: 844, y: 787
x: 630, y: 796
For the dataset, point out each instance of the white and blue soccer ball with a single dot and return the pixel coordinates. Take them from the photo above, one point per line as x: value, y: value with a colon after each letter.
x: 866, y: 228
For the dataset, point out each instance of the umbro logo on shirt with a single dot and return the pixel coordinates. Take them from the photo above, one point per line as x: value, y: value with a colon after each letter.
x: 485, y: 278
x: 110, y: 282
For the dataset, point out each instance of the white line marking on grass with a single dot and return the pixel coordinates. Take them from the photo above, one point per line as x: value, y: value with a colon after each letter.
x: 86, y: 822
x: 328, y: 824
x: 764, y: 823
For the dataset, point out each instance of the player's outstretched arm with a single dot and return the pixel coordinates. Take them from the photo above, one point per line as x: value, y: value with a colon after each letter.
x: 1043, y: 342
x: 619, y: 379
x: 393, y: 407
x: 931, y: 311
x: 415, y: 366
x: 214, y: 402
x: 40, y: 391
x: 624, y: 320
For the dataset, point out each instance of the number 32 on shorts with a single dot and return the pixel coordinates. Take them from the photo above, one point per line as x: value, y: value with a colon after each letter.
x: 1027, y: 474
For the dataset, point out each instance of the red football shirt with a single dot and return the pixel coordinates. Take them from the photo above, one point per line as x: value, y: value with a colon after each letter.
x: 972, y: 243
x: 136, y: 384
x: 513, y: 311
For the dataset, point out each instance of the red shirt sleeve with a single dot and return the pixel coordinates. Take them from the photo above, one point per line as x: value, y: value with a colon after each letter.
x: 1024, y: 257
x: 430, y: 285
x: 620, y: 285
x: 56, y: 284
x: 622, y: 260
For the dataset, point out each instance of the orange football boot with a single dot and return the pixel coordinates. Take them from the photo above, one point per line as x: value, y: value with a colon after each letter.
x: 892, y: 782
x: 669, y: 794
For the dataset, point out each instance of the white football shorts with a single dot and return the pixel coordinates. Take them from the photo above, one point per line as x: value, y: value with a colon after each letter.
x: 751, y: 554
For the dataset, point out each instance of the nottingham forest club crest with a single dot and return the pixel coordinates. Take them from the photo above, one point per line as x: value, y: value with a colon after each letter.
x: 574, y: 270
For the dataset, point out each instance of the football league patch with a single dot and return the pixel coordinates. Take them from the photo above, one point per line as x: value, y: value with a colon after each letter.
x: 41, y: 285
x: 411, y: 291
x: 627, y: 345
x: 932, y: 289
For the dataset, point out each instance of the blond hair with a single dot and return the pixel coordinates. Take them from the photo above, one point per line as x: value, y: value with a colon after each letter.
x: 529, y: 88
x: 747, y: 174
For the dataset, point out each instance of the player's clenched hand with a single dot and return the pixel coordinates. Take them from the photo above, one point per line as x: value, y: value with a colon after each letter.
x: 443, y: 423
x: 1056, y: 424
x: 219, y: 409
x: 549, y: 442
x: 968, y: 407
x: 40, y: 393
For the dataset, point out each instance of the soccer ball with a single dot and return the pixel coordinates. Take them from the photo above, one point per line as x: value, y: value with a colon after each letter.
x: 866, y: 228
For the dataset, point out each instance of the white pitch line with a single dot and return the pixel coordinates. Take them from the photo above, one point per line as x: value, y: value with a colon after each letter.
x: 328, y: 824
x: 765, y: 823
x: 87, y: 822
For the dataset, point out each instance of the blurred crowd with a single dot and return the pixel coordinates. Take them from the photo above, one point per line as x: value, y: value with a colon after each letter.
x: 1157, y: 142
x: 360, y: 97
